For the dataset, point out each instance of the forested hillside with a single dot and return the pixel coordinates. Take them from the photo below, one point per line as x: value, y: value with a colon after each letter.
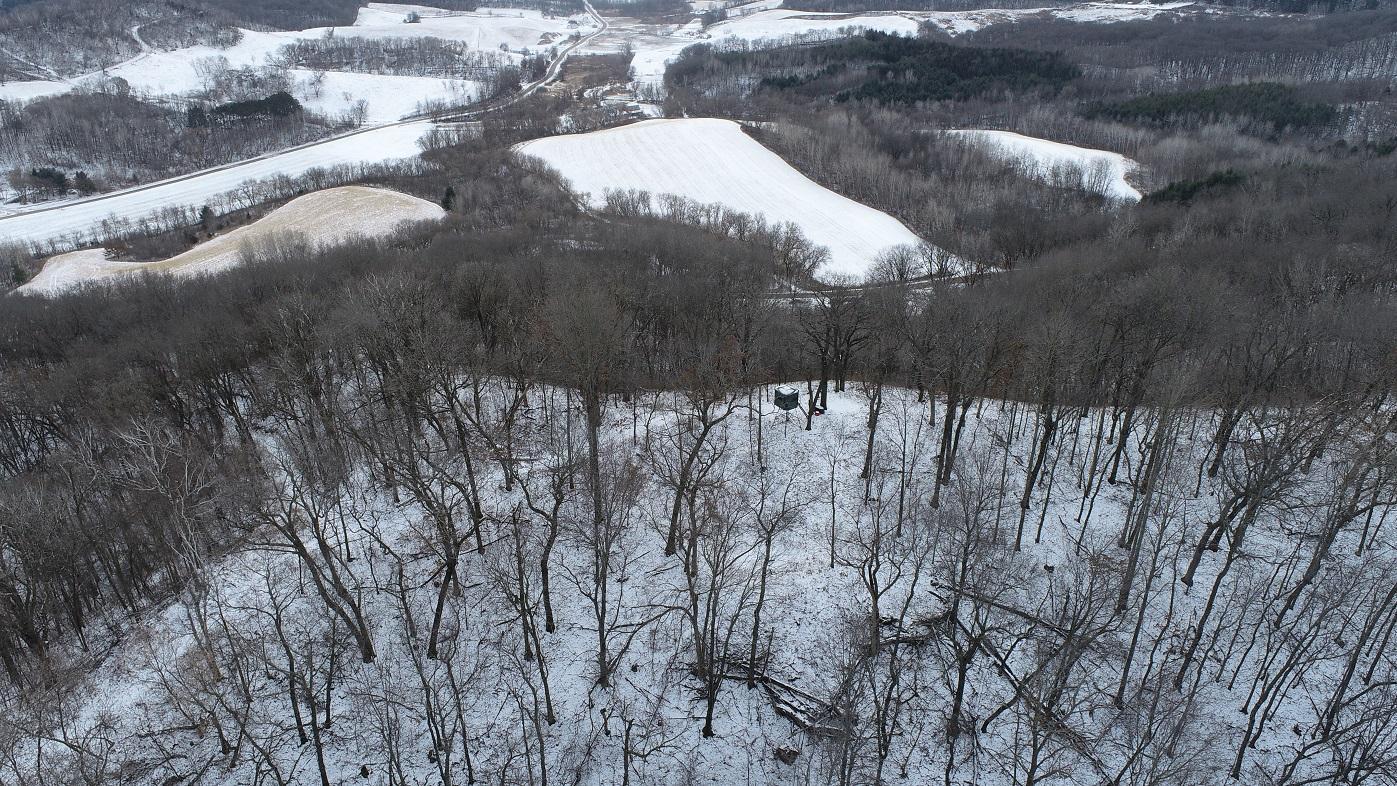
x: 1118, y: 472
x: 583, y: 484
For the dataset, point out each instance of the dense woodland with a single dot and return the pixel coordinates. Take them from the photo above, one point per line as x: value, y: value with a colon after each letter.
x: 400, y: 57
x: 883, y: 68
x: 503, y: 500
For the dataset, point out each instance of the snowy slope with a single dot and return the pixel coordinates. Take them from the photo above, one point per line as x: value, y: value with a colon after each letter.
x: 325, y: 218
x: 713, y: 161
x: 83, y: 219
x: 810, y: 623
x: 1056, y: 163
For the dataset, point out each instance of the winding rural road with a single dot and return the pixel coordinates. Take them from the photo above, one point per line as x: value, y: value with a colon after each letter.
x: 77, y: 221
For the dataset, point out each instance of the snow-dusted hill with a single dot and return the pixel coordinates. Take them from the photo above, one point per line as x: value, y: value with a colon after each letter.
x: 321, y: 218
x: 713, y: 161
x: 1056, y: 163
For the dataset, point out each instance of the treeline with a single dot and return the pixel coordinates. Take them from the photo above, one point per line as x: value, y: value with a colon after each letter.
x: 280, y: 104
x: 1220, y: 43
x: 1341, y: 59
x: 1184, y: 191
x: 46, y: 181
x: 909, y: 70
x: 1337, y: 7
x: 1273, y: 106
x: 878, y: 67
x: 397, y: 56
x: 859, y: 6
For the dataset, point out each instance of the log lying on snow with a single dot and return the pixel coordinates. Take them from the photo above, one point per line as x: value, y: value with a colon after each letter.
x: 810, y: 714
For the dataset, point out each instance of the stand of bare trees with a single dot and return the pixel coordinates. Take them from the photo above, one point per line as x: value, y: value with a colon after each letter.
x: 499, y: 504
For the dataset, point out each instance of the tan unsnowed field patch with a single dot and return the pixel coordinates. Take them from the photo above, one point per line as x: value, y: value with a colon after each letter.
x: 322, y: 218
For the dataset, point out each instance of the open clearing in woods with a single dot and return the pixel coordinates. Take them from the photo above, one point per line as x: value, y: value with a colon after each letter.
x: 323, y: 218
x: 713, y: 162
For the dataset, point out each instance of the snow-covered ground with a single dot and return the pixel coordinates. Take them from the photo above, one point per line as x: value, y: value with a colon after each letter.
x: 28, y: 91
x: 1008, y: 611
x: 713, y: 161
x: 1056, y: 163
x: 79, y: 221
x: 321, y: 218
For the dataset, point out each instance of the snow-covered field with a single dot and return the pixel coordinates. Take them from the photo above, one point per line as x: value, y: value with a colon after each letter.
x: 1056, y: 163
x: 321, y: 218
x: 78, y: 222
x: 713, y: 161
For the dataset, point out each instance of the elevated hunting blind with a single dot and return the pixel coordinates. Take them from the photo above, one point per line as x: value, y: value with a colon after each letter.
x: 787, y: 398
